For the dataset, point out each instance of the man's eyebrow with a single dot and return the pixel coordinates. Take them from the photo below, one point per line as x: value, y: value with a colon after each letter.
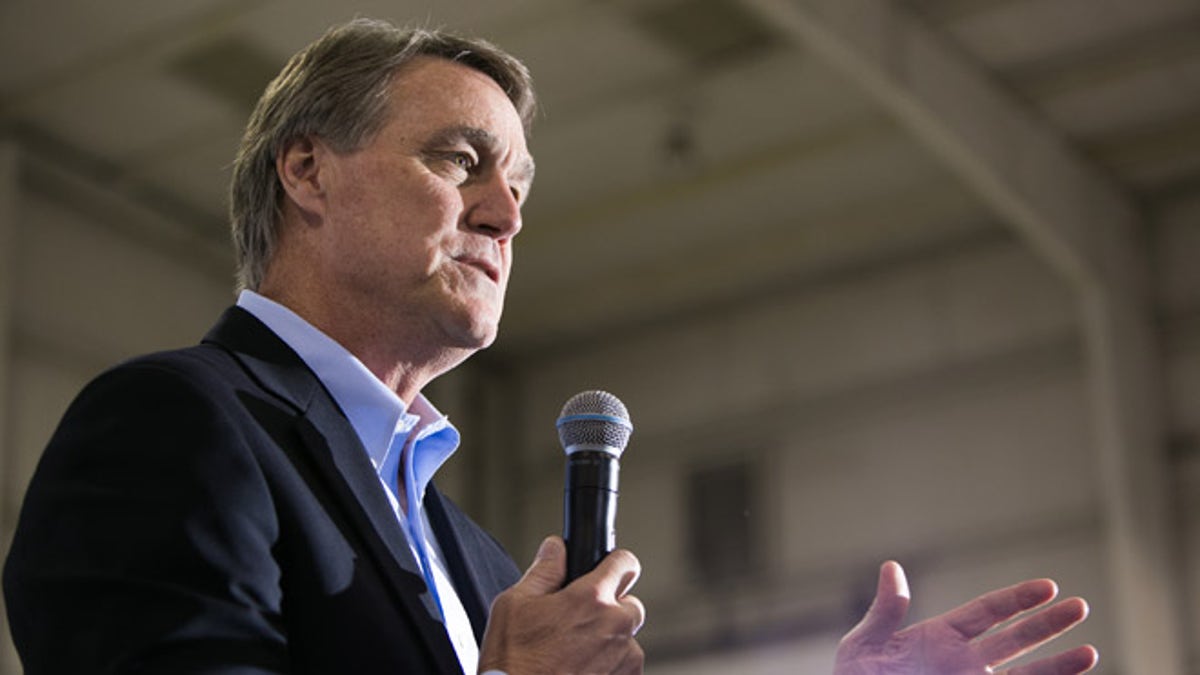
x: 472, y: 135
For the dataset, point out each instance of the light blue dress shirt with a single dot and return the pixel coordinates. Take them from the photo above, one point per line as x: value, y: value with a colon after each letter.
x: 409, y: 443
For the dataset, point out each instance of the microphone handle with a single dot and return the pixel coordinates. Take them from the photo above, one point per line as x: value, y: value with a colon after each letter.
x: 589, y: 510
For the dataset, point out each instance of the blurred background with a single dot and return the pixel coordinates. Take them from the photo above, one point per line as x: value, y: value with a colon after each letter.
x: 908, y: 279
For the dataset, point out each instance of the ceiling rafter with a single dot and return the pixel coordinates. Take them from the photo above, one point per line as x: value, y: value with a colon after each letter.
x: 1110, y: 59
x: 634, y: 299
x: 614, y: 206
x: 1004, y: 151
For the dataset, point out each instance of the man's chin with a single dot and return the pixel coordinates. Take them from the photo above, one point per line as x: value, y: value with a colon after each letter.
x: 471, y: 325
x: 485, y: 341
x: 477, y: 335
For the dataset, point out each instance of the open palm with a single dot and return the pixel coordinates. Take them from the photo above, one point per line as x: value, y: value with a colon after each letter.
x: 959, y: 642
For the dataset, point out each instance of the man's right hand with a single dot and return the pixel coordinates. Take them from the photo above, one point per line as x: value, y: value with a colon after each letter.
x: 537, y: 626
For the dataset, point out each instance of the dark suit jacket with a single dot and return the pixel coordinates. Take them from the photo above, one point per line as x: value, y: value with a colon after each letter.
x: 210, y: 510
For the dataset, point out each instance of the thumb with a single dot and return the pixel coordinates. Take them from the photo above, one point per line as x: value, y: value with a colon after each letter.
x: 549, y: 568
x: 887, y: 611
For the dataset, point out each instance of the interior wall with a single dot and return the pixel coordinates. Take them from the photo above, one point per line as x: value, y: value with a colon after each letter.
x: 1176, y: 245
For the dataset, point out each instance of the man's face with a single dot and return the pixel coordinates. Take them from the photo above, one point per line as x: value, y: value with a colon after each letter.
x: 419, y: 223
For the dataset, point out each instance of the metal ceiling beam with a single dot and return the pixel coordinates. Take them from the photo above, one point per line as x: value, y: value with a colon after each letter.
x: 1087, y: 230
x: 748, y: 164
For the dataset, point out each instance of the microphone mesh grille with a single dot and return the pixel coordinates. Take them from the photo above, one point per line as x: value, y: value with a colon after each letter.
x: 611, y: 433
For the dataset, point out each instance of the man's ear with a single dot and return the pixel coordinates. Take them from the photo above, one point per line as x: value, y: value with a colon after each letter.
x: 300, y: 166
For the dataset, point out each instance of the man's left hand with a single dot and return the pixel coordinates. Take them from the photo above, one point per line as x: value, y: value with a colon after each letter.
x: 959, y: 642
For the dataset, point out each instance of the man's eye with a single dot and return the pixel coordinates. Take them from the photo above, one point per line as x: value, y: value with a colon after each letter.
x: 462, y: 160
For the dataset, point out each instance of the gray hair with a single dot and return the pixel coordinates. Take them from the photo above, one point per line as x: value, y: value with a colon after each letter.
x: 337, y: 88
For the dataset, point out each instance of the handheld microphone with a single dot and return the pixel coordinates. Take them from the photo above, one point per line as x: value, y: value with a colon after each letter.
x: 594, y: 428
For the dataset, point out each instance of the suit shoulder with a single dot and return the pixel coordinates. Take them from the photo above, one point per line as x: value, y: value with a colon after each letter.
x: 172, y: 399
x: 201, y: 362
x: 205, y: 371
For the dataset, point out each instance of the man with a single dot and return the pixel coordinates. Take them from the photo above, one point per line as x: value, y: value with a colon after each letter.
x: 261, y: 503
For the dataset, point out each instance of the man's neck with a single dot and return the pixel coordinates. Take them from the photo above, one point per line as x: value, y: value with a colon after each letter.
x: 406, y: 374
x: 400, y: 356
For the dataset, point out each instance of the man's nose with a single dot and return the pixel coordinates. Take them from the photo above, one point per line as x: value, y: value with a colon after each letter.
x: 497, y: 210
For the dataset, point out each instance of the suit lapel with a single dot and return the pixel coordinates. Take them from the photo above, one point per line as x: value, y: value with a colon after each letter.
x: 455, y: 555
x: 331, y: 442
x: 478, y: 564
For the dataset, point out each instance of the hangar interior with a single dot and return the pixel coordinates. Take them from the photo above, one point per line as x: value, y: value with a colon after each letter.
x: 877, y: 279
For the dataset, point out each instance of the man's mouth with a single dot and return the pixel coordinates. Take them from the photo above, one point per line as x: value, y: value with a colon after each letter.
x: 482, y: 264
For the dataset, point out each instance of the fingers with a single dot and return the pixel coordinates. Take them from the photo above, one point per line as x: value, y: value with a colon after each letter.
x: 632, y: 661
x: 887, y: 611
x: 636, y: 611
x: 548, y: 570
x: 1073, y: 662
x: 537, y: 626
x: 616, y: 574
x: 611, y: 582
x: 613, y: 577
x: 1026, y: 634
x: 981, y: 614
